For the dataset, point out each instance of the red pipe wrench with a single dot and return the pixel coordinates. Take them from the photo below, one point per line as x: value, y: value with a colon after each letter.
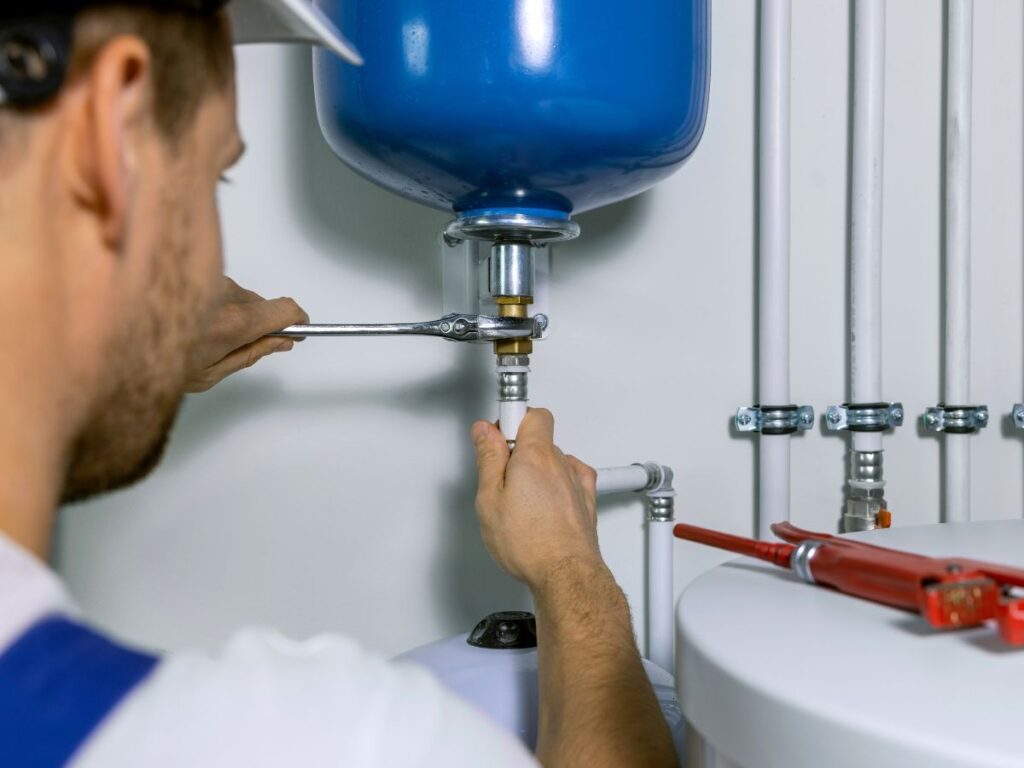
x: 948, y: 592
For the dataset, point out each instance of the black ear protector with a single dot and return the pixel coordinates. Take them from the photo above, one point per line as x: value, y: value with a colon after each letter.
x: 35, y: 49
x: 34, y: 56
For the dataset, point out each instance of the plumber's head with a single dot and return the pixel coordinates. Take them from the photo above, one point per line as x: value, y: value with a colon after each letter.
x: 112, y: 248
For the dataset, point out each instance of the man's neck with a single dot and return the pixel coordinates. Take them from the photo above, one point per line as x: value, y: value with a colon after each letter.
x: 37, y: 411
x: 41, y: 394
x: 31, y: 476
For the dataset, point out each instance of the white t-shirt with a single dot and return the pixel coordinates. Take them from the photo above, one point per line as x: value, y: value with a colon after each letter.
x: 267, y: 701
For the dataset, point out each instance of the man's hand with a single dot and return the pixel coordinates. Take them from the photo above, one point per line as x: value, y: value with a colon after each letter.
x: 537, y: 508
x: 537, y: 512
x: 236, y: 336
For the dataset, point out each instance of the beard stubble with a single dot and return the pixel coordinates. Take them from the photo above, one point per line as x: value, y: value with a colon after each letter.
x: 127, y: 432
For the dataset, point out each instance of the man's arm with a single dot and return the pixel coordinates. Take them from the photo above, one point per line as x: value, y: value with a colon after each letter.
x: 236, y: 335
x: 537, y: 512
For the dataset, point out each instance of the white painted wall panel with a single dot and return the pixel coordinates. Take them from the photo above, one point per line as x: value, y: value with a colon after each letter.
x: 331, y: 488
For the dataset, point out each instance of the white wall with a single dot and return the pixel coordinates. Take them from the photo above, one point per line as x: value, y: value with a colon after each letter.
x: 331, y: 488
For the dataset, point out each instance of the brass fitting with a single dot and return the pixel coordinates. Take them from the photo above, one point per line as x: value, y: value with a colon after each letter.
x: 513, y: 306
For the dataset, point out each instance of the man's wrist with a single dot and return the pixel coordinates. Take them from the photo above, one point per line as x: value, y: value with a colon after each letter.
x: 570, y: 575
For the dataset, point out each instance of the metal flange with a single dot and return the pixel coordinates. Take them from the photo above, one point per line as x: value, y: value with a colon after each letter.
x: 511, y: 227
x: 775, y: 419
x: 956, y: 419
x: 864, y: 417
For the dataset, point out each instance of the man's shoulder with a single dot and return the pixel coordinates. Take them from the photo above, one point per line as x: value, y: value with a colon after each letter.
x: 266, y: 700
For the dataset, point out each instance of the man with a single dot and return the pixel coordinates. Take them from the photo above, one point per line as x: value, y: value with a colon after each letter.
x: 114, y: 305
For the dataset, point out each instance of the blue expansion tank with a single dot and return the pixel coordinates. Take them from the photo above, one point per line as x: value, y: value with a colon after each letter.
x: 540, y: 108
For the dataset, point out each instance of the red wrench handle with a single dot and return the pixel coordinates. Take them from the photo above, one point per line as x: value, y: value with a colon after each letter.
x: 778, y: 554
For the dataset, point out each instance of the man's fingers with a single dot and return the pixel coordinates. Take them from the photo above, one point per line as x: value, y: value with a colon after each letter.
x: 238, y: 360
x: 248, y: 321
x: 586, y: 474
x: 587, y: 477
x: 538, y: 427
x: 280, y: 313
x: 286, y: 312
x: 236, y: 294
x: 491, y: 456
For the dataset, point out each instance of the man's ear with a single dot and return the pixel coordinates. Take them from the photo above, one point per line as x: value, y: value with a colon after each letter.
x: 112, y: 107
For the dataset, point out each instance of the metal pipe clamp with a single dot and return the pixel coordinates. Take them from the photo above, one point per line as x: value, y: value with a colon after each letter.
x: 864, y: 417
x: 775, y: 419
x: 956, y: 419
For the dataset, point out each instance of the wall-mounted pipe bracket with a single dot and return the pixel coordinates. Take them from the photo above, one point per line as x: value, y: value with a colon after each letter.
x: 1018, y: 415
x: 956, y: 419
x: 864, y: 417
x: 775, y: 419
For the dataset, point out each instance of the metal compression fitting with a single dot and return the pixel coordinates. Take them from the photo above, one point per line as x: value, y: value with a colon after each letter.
x: 866, y: 507
x: 511, y: 283
x: 513, y: 394
x: 513, y: 385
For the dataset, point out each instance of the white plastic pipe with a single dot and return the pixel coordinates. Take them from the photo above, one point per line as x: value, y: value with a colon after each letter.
x: 512, y: 412
x: 659, y: 575
x: 866, y: 212
x: 660, y: 632
x: 510, y: 415
x: 773, y: 255
x: 621, y: 479
x: 957, y: 374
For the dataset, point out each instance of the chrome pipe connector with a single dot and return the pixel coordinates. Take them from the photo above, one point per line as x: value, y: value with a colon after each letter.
x: 511, y: 269
x: 513, y: 387
x: 865, y: 502
x: 661, y: 509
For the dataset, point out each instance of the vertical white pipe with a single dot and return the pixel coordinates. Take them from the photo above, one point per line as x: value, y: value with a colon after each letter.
x: 866, y: 211
x: 773, y: 254
x: 659, y: 575
x: 957, y: 390
x: 660, y: 629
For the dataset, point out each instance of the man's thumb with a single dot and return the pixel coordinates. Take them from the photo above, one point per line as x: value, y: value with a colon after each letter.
x: 491, y: 455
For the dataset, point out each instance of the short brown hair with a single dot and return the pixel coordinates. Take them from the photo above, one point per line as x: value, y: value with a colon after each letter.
x: 192, y: 55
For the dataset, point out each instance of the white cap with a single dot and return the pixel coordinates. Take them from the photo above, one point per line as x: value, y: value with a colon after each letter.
x: 288, y: 21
